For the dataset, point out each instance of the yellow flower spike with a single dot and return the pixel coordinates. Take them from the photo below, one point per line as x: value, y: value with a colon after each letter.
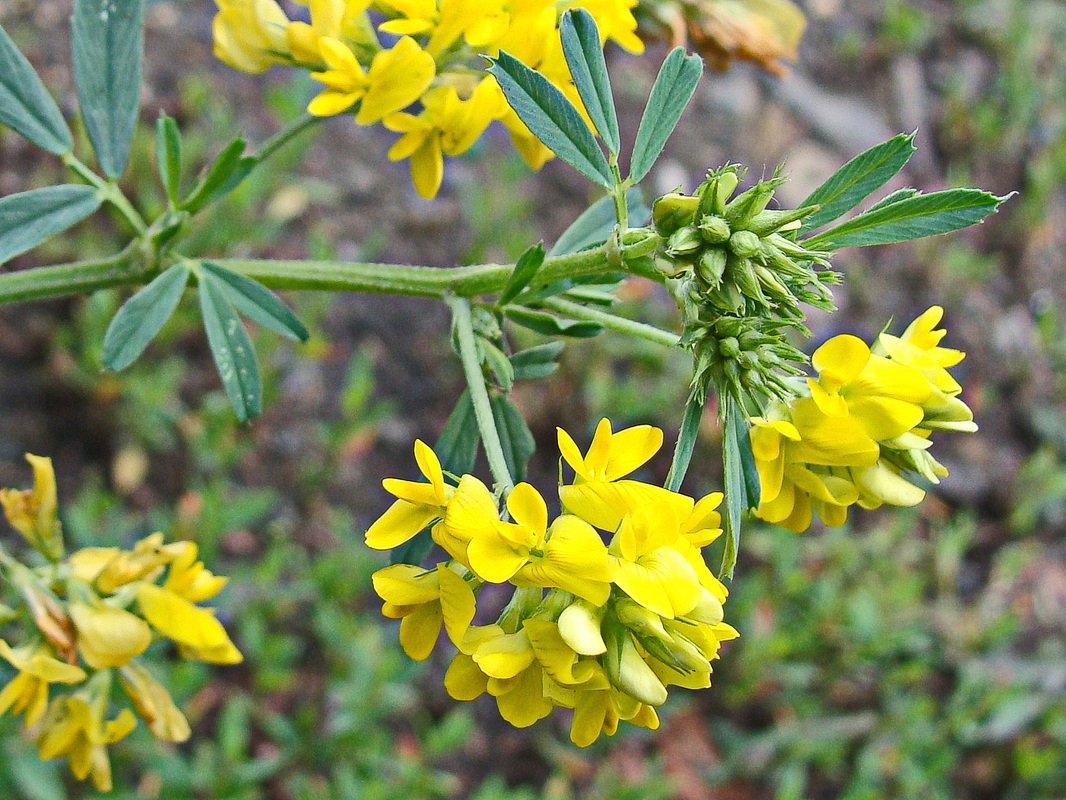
x: 199, y: 635
x: 153, y: 703
x: 32, y: 512
x: 425, y: 600
x: 28, y: 691
x: 396, y: 78
x: 417, y: 504
x: 76, y: 727
x: 249, y: 35
x: 107, y: 636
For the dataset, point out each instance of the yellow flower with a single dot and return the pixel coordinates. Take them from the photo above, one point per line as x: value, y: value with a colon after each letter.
x: 199, y: 635
x: 598, y: 495
x: 337, y: 19
x: 447, y: 125
x: 396, y: 78
x: 599, y: 707
x: 108, y: 636
x: 425, y: 600
x: 75, y: 726
x: 153, y: 703
x: 417, y: 504
x: 884, y: 396
x: 569, y: 555
x: 28, y: 691
x: 647, y: 566
x: 445, y: 22
x: 250, y: 34
x: 32, y: 512
x: 109, y: 568
x: 188, y: 578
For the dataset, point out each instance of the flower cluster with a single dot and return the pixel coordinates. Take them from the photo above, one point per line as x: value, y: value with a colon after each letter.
x: 740, y: 281
x: 89, y: 616
x: 420, y: 52
x: 612, y: 599
x: 862, y: 429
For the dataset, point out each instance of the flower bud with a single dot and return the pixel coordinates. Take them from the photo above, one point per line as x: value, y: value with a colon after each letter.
x: 579, y: 625
x: 717, y: 189
x: 630, y: 673
x: 769, y: 221
x: 714, y: 229
x: 744, y: 243
x: 673, y: 211
x: 684, y: 242
x: 711, y: 266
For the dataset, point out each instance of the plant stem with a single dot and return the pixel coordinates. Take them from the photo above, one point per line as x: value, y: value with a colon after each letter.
x: 285, y: 135
x: 612, y: 321
x: 83, y: 276
x: 475, y: 380
x: 109, y: 191
x: 77, y: 277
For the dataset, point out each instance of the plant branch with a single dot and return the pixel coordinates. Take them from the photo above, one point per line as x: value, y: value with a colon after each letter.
x: 475, y: 380
x: 612, y: 321
x: 77, y: 277
x: 109, y: 191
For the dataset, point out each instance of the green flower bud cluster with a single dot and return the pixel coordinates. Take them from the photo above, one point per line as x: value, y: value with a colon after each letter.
x: 748, y: 358
x: 738, y: 255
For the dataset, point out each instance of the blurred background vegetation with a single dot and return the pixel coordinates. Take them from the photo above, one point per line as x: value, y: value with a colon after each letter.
x: 914, y: 653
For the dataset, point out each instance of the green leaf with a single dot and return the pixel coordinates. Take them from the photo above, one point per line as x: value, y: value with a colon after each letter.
x: 584, y: 56
x: 686, y: 442
x: 524, y: 270
x: 231, y: 347
x: 909, y: 218
x: 670, y: 94
x: 854, y: 181
x: 552, y: 118
x: 537, y: 362
x: 108, y: 45
x: 498, y: 363
x: 895, y: 197
x: 257, y: 302
x: 26, y: 106
x: 741, y: 479
x: 168, y: 156
x: 224, y: 175
x: 596, y: 222
x: 518, y: 443
x: 457, y: 446
x: 142, y: 316
x: 546, y: 324
x: 28, y: 218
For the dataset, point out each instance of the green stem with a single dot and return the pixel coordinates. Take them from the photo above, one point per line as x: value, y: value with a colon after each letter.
x: 612, y: 321
x: 109, y: 191
x: 77, y: 277
x: 475, y: 380
x: 44, y: 282
x: 618, y: 192
x: 285, y: 135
